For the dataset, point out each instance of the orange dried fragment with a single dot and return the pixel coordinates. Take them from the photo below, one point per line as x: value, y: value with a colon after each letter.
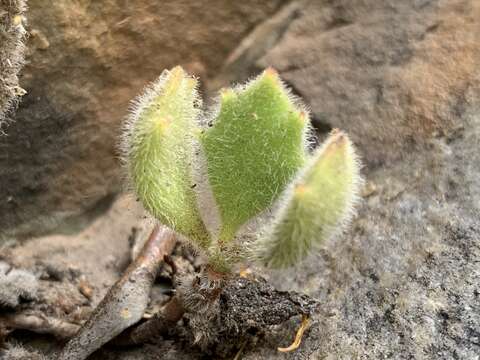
x: 298, y: 337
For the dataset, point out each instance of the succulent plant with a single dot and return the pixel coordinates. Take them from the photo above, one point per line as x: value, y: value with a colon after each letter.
x: 255, y: 159
x: 210, y: 179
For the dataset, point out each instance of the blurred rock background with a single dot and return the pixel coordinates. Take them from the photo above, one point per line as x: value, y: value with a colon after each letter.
x: 401, y: 77
x: 86, y: 61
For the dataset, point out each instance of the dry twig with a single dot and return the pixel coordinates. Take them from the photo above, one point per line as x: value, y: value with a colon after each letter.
x: 154, y: 327
x: 39, y: 323
x: 125, y: 303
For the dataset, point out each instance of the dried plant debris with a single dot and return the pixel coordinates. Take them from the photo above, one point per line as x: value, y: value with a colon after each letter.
x: 12, y: 48
x: 37, y: 322
x: 17, y: 352
x: 16, y: 285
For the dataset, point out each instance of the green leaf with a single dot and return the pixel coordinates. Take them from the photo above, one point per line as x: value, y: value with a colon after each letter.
x: 254, y: 148
x: 159, y: 147
x: 317, y: 205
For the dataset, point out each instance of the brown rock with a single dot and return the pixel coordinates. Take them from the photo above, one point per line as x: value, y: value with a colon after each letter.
x: 391, y: 73
x: 87, y: 61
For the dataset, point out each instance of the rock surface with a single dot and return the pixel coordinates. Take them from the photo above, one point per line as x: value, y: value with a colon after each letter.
x: 402, y: 79
x: 404, y: 283
x: 391, y: 73
x: 86, y: 61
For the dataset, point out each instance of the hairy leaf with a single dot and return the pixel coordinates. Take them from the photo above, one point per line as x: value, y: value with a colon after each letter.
x: 159, y: 150
x: 317, y: 205
x: 254, y: 148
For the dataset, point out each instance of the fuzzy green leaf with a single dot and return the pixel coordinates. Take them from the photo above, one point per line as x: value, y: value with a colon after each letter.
x: 159, y: 150
x: 317, y: 205
x: 254, y: 148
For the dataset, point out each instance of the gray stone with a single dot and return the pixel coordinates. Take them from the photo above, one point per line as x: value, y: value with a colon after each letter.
x: 400, y: 78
